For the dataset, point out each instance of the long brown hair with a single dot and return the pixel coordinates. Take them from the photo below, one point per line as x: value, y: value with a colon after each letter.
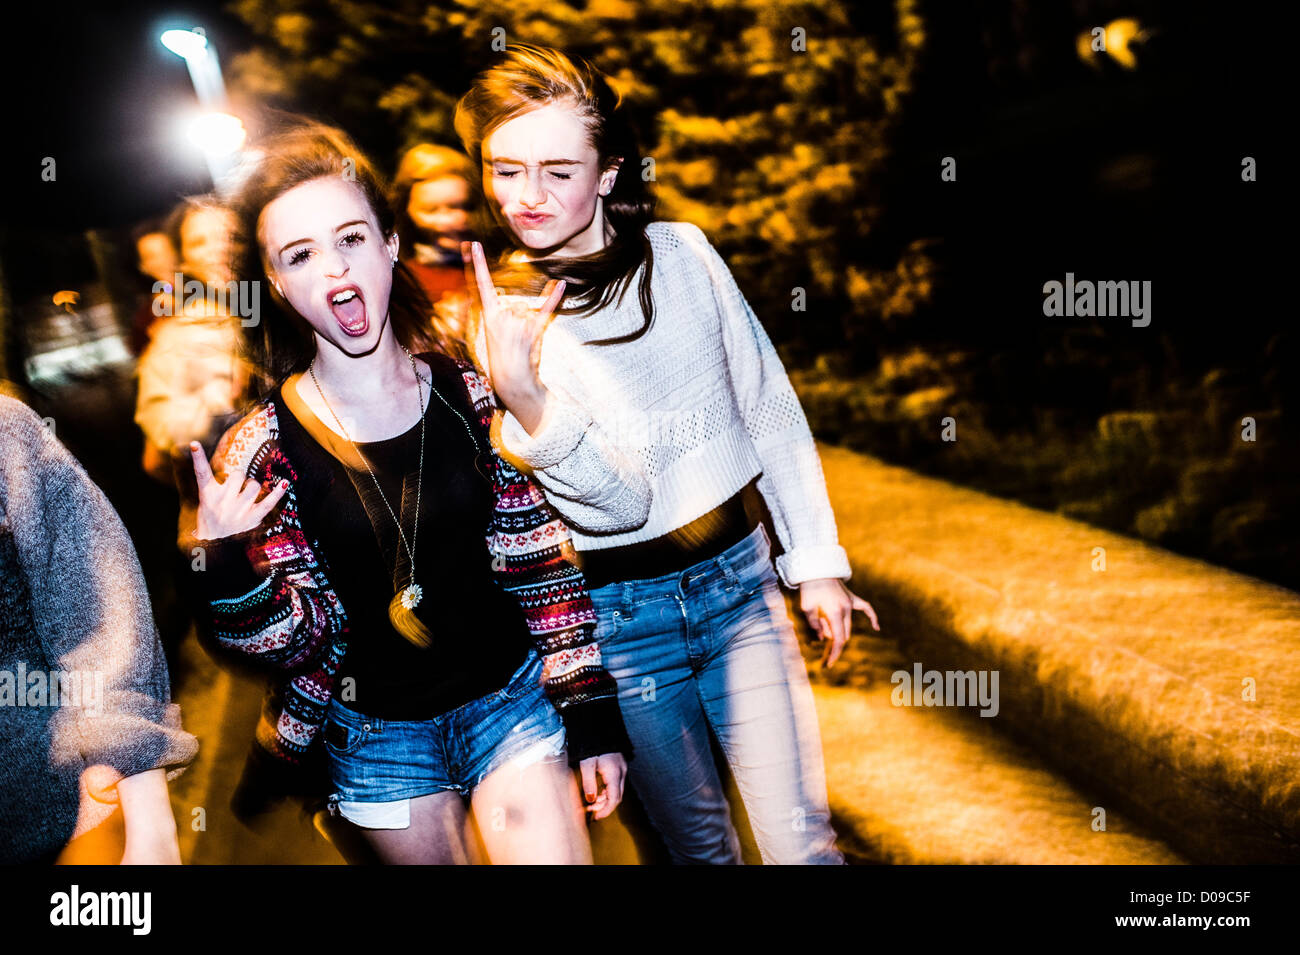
x: 282, y: 342
x: 527, y: 78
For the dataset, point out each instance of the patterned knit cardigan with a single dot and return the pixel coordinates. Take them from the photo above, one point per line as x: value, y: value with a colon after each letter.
x: 270, y: 597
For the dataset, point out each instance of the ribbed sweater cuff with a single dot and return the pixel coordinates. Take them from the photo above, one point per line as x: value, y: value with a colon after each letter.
x: 137, y: 733
x: 813, y: 563
x: 561, y: 428
x: 594, y: 728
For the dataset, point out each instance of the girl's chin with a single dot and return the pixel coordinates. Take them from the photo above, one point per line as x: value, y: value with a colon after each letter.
x: 539, y: 240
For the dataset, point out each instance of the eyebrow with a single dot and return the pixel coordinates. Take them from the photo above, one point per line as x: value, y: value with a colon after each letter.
x: 337, y: 229
x: 544, y: 162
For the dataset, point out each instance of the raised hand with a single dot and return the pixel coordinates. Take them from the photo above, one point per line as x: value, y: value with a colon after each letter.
x: 232, y: 506
x: 514, y: 341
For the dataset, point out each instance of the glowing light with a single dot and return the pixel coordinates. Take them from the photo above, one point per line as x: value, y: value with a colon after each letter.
x: 1118, y: 38
x: 1119, y: 34
x: 185, y: 43
x: 216, y: 134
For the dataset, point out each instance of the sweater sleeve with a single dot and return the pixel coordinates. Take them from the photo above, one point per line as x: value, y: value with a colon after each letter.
x: 269, y: 597
x: 792, y: 482
x: 541, y: 570
x: 97, y: 623
x: 595, y: 484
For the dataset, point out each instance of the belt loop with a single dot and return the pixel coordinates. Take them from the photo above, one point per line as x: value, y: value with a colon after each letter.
x: 728, y: 572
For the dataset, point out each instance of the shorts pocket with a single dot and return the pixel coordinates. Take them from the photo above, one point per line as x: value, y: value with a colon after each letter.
x: 346, y: 736
x: 609, y: 621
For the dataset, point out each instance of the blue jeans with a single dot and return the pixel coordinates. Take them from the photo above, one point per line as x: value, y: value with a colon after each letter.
x: 712, y: 649
x: 378, y: 766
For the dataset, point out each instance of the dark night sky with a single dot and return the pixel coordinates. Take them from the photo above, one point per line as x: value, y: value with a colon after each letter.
x: 1033, y: 197
x: 104, y: 107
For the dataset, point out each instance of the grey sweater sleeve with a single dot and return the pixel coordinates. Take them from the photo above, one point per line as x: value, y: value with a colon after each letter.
x: 93, y: 618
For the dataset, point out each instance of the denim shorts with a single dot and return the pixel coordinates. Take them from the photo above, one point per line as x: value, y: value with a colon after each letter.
x: 378, y: 766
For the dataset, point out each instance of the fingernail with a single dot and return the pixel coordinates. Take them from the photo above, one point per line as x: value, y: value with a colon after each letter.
x: 590, y: 797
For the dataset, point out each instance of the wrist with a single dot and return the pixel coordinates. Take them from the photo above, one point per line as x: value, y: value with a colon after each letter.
x: 157, y: 831
x: 151, y: 833
x: 528, y: 406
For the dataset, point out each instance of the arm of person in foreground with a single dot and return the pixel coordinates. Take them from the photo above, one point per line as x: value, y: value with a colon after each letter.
x: 96, y: 622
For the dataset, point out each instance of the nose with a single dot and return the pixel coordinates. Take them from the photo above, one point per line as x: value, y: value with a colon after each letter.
x: 532, y: 194
x: 335, y: 262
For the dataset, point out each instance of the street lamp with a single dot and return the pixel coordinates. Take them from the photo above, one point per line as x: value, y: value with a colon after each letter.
x: 218, y: 134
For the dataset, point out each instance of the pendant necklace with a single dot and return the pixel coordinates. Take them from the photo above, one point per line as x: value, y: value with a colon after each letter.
x: 411, y: 594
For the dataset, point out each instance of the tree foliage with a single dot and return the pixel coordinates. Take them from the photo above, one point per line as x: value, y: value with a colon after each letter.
x: 768, y: 123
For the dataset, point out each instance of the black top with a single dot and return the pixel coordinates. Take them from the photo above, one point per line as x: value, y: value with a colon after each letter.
x: 393, y: 678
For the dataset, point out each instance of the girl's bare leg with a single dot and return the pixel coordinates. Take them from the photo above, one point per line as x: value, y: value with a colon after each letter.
x: 440, y: 834
x: 532, y: 814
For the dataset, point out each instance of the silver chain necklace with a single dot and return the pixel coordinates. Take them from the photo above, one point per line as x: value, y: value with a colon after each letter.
x: 413, y: 592
x: 451, y: 407
x: 498, y: 556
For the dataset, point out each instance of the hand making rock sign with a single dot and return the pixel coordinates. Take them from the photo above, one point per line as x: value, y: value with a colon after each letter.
x: 514, y: 340
x: 231, y: 506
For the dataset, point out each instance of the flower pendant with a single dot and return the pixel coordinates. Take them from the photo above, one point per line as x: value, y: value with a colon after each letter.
x: 411, y: 596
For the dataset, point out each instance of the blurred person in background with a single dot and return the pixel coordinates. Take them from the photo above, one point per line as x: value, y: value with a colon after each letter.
x: 434, y: 196
x: 73, y: 602
x: 191, y: 376
x: 190, y: 382
x: 656, y: 394
x: 156, y: 260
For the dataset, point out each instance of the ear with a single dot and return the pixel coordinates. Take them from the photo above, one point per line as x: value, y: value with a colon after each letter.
x: 609, y: 175
x: 393, y: 244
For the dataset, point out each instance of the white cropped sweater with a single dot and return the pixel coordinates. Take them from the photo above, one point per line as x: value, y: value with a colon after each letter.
x: 640, y: 438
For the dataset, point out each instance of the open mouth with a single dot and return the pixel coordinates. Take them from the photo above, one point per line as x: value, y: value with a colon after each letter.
x: 349, y: 310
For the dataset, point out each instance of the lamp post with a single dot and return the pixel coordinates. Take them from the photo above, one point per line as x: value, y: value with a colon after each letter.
x: 217, y: 133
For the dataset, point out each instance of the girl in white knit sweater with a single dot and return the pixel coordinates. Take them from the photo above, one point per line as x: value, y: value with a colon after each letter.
x: 649, y: 419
